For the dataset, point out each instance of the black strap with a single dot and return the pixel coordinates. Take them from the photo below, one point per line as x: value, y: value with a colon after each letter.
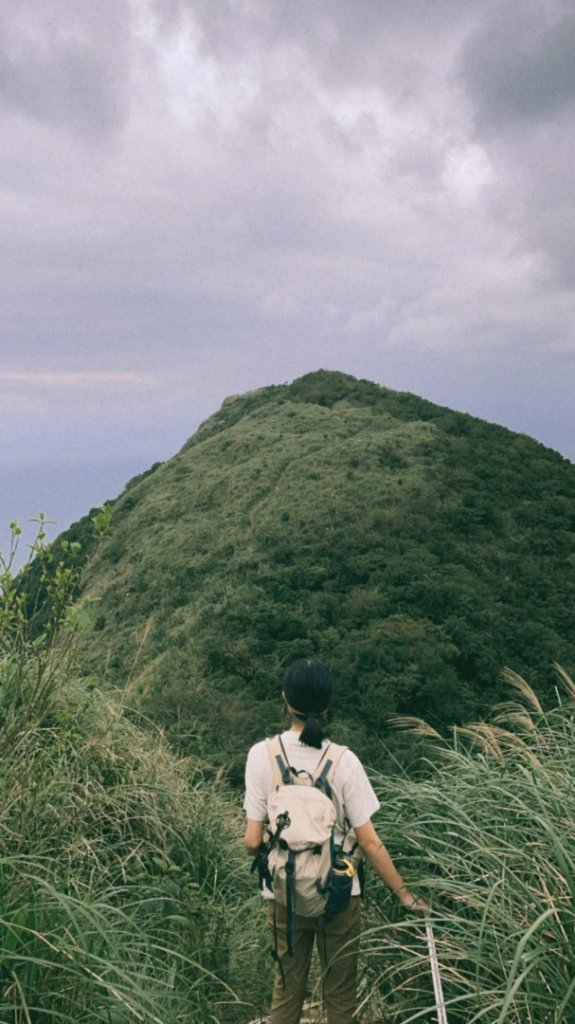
x: 260, y: 864
x: 361, y: 877
x: 322, y: 757
x: 321, y: 781
x: 284, y: 770
x: 284, y: 766
x: 290, y: 900
x: 283, y: 750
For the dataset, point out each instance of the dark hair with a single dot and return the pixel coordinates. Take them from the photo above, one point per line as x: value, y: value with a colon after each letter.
x: 307, y: 690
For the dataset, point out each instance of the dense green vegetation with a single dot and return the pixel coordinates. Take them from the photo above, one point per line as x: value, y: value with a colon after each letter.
x: 415, y: 549
x: 124, y: 892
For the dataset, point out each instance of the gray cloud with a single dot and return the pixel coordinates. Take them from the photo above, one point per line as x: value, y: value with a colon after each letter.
x: 521, y: 68
x: 517, y: 70
x: 217, y: 195
x: 64, y: 63
x: 392, y: 45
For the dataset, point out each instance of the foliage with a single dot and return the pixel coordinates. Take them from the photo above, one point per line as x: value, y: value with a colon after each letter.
x: 488, y: 838
x: 118, y: 862
x: 417, y: 550
x: 66, y: 555
x: 124, y: 894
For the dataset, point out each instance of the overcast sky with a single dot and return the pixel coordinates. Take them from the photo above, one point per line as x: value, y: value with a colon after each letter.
x: 199, y: 197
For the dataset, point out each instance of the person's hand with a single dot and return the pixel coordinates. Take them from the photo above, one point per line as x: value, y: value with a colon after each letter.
x: 411, y: 902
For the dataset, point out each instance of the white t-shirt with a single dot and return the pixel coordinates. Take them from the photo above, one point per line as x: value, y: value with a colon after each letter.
x: 352, y: 792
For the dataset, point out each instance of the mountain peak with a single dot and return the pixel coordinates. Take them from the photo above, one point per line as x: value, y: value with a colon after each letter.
x: 415, y: 549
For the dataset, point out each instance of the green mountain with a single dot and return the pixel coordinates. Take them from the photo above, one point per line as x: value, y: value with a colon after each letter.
x: 416, y: 550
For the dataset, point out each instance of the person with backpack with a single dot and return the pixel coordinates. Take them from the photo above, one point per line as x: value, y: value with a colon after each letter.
x: 312, y: 803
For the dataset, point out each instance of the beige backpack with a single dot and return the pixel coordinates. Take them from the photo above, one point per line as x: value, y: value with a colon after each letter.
x: 309, y: 874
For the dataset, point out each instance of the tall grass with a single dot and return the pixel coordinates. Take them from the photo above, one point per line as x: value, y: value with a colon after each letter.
x: 124, y: 894
x: 489, y: 839
x: 119, y: 876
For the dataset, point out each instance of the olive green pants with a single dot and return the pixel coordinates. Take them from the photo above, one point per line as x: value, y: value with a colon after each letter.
x: 337, y: 944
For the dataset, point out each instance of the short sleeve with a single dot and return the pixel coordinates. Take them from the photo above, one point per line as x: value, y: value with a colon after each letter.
x: 359, y: 799
x: 259, y: 782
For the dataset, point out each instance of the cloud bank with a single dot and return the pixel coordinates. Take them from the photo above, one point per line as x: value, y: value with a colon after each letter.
x: 199, y: 197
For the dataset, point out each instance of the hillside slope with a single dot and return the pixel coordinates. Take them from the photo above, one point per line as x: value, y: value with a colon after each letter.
x: 415, y: 549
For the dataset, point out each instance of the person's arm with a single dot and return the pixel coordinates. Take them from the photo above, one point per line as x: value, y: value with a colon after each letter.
x: 253, y: 836
x: 376, y: 853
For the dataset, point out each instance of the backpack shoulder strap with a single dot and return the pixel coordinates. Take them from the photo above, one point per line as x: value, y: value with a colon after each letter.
x: 323, y: 776
x: 280, y: 767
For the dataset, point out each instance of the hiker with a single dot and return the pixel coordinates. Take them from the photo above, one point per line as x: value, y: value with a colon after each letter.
x: 297, y: 756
